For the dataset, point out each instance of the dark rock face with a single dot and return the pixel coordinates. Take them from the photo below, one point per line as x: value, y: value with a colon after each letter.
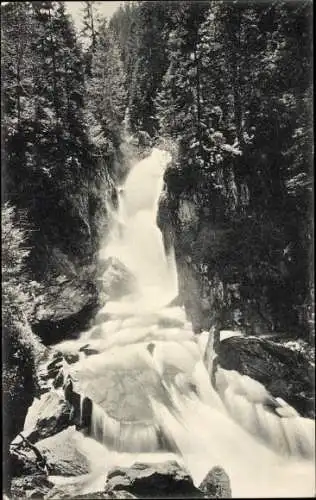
x: 117, y: 280
x: 54, y: 415
x: 216, y: 484
x: 167, y: 479
x: 217, y: 245
x: 284, y: 372
x: 24, y: 464
x: 19, y: 386
x: 69, y: 307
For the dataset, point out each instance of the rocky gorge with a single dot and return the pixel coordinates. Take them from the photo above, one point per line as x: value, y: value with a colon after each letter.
x: 73, y: 405
x: 157, y: 251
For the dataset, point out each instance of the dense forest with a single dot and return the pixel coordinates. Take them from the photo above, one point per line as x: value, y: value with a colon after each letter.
x: 226, y: 87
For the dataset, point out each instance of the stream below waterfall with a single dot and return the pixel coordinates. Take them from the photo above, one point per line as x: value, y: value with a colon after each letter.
x: 151, y: 392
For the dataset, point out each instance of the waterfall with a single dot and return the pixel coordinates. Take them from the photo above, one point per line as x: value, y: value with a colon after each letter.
x: 150, y: 389
x: 136, y: 240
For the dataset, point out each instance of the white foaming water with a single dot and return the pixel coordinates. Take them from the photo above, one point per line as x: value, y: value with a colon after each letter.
x: 150, y: 389
x: 138, y: 242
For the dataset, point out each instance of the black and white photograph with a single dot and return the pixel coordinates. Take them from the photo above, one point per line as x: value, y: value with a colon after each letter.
x: 158, y: 336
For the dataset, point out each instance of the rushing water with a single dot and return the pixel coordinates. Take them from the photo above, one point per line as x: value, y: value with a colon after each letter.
x: 152, y: 396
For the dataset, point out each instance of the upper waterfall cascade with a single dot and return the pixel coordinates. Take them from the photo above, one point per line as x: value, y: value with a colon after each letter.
x: 152, y: 396
x: 136, y: 240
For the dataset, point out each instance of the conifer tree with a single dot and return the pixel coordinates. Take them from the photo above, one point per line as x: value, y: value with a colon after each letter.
x: 90, y: 21
x: 106, y: 88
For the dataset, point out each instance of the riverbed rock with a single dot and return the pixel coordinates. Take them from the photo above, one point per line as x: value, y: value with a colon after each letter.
x: 62, y: 455
x: 117, y: 280
x: 53, y: 414
x: 59, y: 379
x: 35, y: 486
x: 120, y: 494
x: 48, y: 370
x: 166, y: 479
x: 88, y: 351
x: 71, y: 358
x: 284, y: 372
x: 216, y: 484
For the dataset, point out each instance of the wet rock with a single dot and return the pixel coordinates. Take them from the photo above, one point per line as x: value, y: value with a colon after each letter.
x: 53, y: 370
x: 53, y: 367
x: 59, y: 380
x: 61, y: 454
x: 71, y: 358
x: 285, y: 373
x: 56, y: 358
x: 169, y: 323
x: 82, y: 411
x: 44, y: 387
x: 48, y: 371
x: 54, y: 414
x: 117, y: 280
x: 166, y: 479
x: 36, y: 486
x: 88, y: 351
x: 216, y: 484
x: 111, y: 494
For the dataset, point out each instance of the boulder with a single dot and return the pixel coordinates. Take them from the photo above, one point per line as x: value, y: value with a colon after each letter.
x: 117, y: 280
x: 53, y: 414
x: 88, y: 350
x: 71, y: 358
x: 102, y: 494
x: 216, y: 484
x: 24, y: 463
x: 166, y: 479
x: 35, y: 486
x: 68, y: 308
x: 61, y: 454
x: 285, y: 373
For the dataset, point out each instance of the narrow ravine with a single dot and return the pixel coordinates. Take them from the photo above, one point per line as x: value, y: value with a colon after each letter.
x: 151, y: 392
x: 158, y: 294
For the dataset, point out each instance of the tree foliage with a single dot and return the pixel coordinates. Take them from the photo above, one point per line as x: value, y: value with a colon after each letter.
x: 106, y: 90
x: 228, y: 83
